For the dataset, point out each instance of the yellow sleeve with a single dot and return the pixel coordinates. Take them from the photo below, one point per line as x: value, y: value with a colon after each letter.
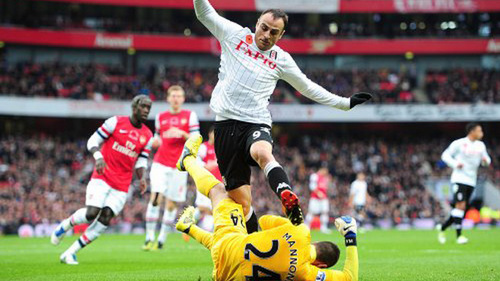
x: 349, y: 273
x: 269, y: 221
x: 204, y: 237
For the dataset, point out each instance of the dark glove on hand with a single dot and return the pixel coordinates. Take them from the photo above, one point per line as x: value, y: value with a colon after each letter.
x: 359, y: 98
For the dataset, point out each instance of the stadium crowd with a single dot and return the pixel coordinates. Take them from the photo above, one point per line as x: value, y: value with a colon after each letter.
x: 104, y: 82
x: 70, y: 17
x: 463, y: 86
x: 43, y: 178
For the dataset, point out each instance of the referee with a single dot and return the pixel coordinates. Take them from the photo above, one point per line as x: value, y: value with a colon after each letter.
x: 251, y: 65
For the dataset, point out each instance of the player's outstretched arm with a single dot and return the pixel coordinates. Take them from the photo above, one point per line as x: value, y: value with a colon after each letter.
x: 295, y: 77
x: 486, y: 159
x: 219, y: 26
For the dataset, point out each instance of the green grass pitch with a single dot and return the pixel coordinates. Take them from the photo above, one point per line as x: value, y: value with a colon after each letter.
x: 384, y: 255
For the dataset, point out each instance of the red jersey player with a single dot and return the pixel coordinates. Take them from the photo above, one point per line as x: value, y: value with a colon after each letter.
x: 203, y: 204
x: 172, y: 127
x: 126, y: 143
x: 318, y: 203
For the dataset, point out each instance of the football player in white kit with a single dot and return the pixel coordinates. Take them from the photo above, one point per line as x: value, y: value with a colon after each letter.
x: 464, y: 156
x: 359, y: 197
x: 251, y: 65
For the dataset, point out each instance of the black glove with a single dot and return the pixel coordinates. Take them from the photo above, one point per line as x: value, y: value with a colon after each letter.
x: 359, y: 98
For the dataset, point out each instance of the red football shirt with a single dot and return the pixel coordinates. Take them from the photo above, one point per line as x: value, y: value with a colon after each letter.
x: 207, y: 155
x: 171, y: 145
x: 123, y: 144
x: 321, y: 183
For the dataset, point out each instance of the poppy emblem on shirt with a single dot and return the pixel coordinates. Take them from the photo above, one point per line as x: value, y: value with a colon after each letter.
x: 142, y: 140
x: 249, y: 39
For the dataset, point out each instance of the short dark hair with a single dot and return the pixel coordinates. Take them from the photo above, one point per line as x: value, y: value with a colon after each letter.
x: 277, y: 14
x: 327, y: 252
x: 137, y: 100
x: 471, y: 126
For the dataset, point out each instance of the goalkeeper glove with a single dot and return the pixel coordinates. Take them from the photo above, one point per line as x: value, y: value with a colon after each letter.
x: 359, y: 98
x: 347, y: 227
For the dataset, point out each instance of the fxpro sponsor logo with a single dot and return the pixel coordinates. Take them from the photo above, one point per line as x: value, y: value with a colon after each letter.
x: 113, y: 41
x: 493, y: 46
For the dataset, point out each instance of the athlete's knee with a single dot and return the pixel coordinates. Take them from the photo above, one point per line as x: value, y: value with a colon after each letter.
x: 460, y: 205
x: 262, y: 153
x: 106, y: 216
x: 218, y: 191
x: 92, y: 213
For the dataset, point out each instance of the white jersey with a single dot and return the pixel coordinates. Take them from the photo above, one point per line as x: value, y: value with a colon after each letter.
x: 248, y: 75
x: 358, y: 191
x: 470, y: 154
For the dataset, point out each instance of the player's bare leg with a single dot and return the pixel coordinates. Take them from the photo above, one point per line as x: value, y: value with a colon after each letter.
x: 152, y: 216
x: 243, y: 196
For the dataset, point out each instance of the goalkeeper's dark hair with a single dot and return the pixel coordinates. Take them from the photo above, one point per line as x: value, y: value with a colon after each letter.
x: 471, y: 126
x: 327, y: 252
x: 277, y: 14
x: 137, y: 100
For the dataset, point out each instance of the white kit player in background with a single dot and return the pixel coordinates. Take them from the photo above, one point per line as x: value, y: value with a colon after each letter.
x: 318, y: 202
x: 359, y: 197
x: 172, y: 128
x: 251, y: 64
x: 126, y: 142
x: 464, y: 156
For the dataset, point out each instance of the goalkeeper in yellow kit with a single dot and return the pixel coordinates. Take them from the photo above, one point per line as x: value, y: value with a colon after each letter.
x: 281, y: 251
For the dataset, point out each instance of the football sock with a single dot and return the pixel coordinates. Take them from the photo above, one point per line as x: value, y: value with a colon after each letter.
x: 252, y: 222
x: 152, y: 215
x: 203, y: 179
x: 447, y: 223
x: 202, y: 236
x: 324, y: 221
x: 77, y: 217
x: 167, y: 224
x: 458, y: 215
x: 278, y: 180
x: 92, y: 232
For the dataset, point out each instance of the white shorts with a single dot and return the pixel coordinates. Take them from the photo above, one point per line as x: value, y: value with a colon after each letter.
x: 100, y: 195
x: 170, y: 182
x: 318, y: 206
x: 202, y: 201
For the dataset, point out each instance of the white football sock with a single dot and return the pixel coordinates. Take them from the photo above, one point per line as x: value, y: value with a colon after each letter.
x: 168, y: 220
x: 77, y: 217
x: 324, y: 221
x: 152, y: 215
x: 92, y: 232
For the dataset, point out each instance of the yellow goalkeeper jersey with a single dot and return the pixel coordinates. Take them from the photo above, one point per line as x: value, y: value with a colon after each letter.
x: 281, y: 251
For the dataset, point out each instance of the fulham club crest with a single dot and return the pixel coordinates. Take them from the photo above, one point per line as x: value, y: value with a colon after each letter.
x: 273, y: 54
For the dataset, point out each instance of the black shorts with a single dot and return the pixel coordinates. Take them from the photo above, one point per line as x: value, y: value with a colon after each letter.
x: 232, y: 148
x: 462, y: 192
